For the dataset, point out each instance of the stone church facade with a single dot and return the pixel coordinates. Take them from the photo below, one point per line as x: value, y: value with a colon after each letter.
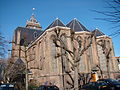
x: 53, y: 54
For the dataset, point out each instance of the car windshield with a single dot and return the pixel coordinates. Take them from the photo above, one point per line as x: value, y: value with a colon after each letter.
x: 7, y: 87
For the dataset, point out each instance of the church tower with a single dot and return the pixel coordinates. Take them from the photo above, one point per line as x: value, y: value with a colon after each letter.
x: 33, y: 23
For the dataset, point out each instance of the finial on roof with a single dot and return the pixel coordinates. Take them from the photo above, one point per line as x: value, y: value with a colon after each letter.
x: 97, y: 28
x: 33, y: 16
x: 75, y: 18
x: 57, y: 18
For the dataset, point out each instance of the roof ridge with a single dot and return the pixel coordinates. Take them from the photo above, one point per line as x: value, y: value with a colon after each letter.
x: 52, y: 24
x: 80, y: 25
x: 73, y: 24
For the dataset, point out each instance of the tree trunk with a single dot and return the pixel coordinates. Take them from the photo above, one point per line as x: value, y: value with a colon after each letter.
x: 76, y: 78
x: 108, y: 68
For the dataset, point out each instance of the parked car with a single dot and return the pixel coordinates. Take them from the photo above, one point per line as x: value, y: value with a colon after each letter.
x: 46, y: 87
x: 118, y: 80
x: 7, y: 86
x: 99, y: 85
x: 112, y: 83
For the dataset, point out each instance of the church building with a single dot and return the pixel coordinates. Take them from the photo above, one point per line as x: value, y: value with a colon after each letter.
x: 63, y: 53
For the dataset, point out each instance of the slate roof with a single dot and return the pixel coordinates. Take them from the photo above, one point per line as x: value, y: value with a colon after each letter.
x: 98, y: 33
x: 27, y: 35
x: 57, y: 22
x: 76, y: 26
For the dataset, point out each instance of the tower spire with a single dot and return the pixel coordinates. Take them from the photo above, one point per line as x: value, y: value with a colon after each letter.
x: 33, y: 23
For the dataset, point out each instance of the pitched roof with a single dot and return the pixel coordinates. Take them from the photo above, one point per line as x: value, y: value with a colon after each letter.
x: 27, y: 34
x: 98, y: 33
x: 76, y: 26
x: 57, y: 22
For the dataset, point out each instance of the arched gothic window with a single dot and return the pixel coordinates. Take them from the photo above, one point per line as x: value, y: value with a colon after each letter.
x: 41, y: 56
x: 35, y: 34
x: 65, y: 53
x: 53, y: 53
x: 79, y: 44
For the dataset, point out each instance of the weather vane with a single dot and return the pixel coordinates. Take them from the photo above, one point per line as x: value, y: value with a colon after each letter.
x: 33, y: 9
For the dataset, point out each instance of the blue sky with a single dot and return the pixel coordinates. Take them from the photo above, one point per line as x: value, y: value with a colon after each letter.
x: 14, y: 13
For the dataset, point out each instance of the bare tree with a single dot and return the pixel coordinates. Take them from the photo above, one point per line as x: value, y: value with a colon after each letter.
x: 2, y: 68
x: 20, y: 67
x: 15, y: 73
x: 79, y: 47
x: 112, y: 14
x: 106, y: 51
x: 2, y: 46
x: 2, y: 55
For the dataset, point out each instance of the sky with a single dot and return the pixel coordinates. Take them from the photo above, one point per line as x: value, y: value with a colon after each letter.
x: 14, y: 13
